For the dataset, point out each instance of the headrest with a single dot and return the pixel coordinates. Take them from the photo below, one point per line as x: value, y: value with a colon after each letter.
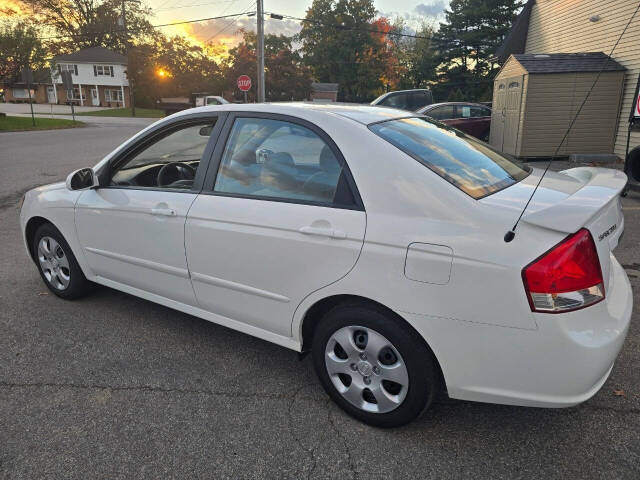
x: 328, y: 162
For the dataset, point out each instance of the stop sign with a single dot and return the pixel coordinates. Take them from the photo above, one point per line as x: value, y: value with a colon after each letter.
x: 244, y: 83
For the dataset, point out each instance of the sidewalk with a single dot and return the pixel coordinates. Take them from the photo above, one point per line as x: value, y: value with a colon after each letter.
x: 44, y: 108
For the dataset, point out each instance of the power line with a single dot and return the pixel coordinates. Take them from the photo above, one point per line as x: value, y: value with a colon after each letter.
x: 233, y: 22
x: 194, y: 5
x: 346, y: 27
x: 152, y: 26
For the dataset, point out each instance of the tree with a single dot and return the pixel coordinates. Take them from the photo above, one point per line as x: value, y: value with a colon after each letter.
x: 338, y: 45
x: 170, y: 67
x: 416, y: 59
x: 80, y: 24
x: 286, y: 78
x: 466, y: 43
x: 20, y: 46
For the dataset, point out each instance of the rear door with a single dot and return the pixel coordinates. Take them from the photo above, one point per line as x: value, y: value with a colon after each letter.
x: 279, y: 218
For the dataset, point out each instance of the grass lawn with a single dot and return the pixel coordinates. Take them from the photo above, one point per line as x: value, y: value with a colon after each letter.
x: 13, y: 124
x: 124, y: 112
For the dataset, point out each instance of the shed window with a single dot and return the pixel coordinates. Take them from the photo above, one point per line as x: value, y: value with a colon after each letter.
x: 514, y: 85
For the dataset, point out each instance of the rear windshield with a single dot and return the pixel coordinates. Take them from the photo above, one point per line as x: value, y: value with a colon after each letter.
x: 469, y: 164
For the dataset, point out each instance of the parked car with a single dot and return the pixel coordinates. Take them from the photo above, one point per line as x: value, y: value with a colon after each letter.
x: 367, y: 237
x: 471, y: 118
x: 171, y: 105
x: 405, y: 99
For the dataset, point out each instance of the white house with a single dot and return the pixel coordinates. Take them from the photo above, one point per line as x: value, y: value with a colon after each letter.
x: 99, y: 79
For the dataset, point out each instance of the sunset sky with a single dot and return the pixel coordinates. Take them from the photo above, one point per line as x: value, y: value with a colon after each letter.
x: 225, y: 30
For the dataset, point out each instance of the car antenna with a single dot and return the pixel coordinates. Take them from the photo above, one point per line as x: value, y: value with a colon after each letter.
x: 510, y: 235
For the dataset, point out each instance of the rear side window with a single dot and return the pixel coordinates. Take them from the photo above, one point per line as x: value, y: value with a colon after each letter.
x: 460, y: 159
x: 444, y: 112
x: 268, y: 158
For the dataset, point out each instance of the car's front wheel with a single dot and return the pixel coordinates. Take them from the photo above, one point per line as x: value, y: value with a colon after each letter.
x: 373, y: 365
x: 57, y: 265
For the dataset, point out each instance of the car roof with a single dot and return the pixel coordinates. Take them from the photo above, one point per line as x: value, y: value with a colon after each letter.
x: 434, y: 105
x: 364, y: 114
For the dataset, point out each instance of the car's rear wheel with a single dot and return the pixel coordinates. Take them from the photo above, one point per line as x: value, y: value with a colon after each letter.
x: 57, y: 265
x: 373, y: 365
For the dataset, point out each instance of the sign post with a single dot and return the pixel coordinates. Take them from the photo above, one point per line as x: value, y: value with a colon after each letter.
x: 27, y: 78
x: 67, y: 82
x: 244, y: 84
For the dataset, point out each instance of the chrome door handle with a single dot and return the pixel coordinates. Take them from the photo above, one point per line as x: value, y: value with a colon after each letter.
x: 168, y: 212
x: 323, y: 232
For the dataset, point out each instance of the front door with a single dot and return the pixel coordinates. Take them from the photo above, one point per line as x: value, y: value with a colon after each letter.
x: 95, y: 98
x: 132, y: 230
x: 51, y: 95
x: 512, y: 115
x: 281, y: 219
x: 498, y: 113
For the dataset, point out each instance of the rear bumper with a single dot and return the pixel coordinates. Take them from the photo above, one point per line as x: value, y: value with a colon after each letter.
x: 562, y: 363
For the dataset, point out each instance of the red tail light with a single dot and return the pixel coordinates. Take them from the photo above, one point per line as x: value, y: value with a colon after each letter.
x: 567, y: 277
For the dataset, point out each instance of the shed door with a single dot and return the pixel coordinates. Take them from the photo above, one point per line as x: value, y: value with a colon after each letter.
x: 512, y: 114
x: 497, y: 114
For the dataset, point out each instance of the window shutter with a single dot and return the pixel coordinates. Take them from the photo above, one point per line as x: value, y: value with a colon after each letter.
x: 95, y: 73
x: 59, y: 69
x: 75, y: 69
x: 111, y: 67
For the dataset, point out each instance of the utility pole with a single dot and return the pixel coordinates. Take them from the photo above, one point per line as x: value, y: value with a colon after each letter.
x: 260, y: 52
x: 126, y: 45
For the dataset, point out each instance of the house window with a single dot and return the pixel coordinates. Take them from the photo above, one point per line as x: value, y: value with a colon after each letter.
x: 103, y: 70
x: 76, y: 94
x: 68, y: 67
x: 113, y: 95
x: 23, y: 93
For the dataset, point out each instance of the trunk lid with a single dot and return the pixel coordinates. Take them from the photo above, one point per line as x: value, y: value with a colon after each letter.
x: 569, y: 200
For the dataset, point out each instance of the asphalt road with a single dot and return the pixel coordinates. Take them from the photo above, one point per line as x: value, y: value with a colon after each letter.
x: 113, y: 386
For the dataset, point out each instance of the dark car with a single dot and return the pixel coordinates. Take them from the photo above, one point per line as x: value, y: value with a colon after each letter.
x: 471, y: 118
x: 405, y: 99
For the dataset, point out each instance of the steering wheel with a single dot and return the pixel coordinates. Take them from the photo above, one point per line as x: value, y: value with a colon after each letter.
x: 182, y: 171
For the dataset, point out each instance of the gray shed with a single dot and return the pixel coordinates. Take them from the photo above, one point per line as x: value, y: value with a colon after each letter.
x: 535, y: 97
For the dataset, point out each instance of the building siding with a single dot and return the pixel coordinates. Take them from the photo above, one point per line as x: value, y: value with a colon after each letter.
x: 563, y: 26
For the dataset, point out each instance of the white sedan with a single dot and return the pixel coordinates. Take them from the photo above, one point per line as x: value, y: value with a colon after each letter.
x: 368, y: 236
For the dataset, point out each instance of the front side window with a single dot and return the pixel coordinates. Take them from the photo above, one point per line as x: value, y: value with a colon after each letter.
x: 467, y: 163
x: 283, y: 160
x: 420, y: 99
x: 170, y: 162
x: 399, y: 100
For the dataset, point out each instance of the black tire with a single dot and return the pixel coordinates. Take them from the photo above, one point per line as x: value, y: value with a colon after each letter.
x: 78, y: 285
x: 420, y: 363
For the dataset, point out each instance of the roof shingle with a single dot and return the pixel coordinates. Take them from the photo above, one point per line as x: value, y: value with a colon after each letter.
x: 91, y: 55
x: 567, y: 62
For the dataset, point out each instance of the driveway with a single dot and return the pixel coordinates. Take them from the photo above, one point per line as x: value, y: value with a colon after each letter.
x: 113, y: 386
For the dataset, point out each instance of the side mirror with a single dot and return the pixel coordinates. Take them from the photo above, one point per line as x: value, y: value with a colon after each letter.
x: 82, y: 179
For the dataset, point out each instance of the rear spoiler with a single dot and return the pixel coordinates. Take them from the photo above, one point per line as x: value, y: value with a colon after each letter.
x: 600, y: 186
